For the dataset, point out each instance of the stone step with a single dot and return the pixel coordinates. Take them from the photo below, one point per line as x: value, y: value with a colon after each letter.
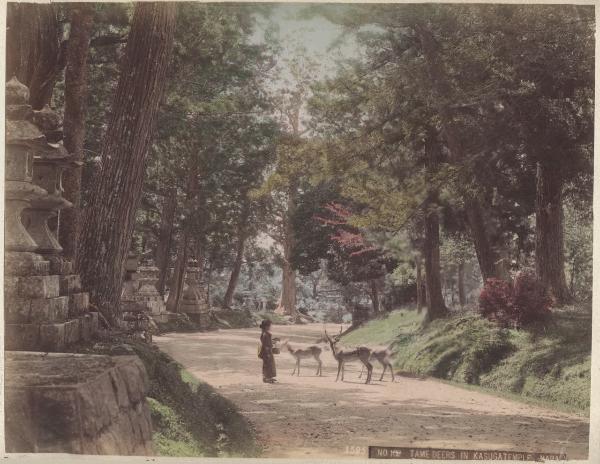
x: 21, y: 336
x: 59, y: 265
x: 88, y: 325
x: 79, y: 304
x: 42, y: 286
x: 50, y: 309
x: 22, y: 310
x: 70, y: 283
x: 51, y: 337
x: 25, y: 264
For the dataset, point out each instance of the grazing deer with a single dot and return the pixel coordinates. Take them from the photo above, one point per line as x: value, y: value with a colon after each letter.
x: 304, y: 352
x: 342, y: 355
x: 382, y: 355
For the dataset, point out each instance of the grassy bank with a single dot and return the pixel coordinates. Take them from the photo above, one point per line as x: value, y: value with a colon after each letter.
x: 189, y: 417
x: 218, y: 319
x: 549, y: 365
x: 274, y: 318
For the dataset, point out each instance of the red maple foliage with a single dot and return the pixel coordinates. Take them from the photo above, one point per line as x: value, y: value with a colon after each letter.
x: 520, y: 302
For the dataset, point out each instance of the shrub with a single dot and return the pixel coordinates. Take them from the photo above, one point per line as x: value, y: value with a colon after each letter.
x: 530, y: 300
x: 495, y: 300
x: 520, y: 303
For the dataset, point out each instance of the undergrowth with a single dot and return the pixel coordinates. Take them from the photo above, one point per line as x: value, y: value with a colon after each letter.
x: 274, y: 318
x: 189, y: 417
x: 171, y: 437
x: 549, y: 362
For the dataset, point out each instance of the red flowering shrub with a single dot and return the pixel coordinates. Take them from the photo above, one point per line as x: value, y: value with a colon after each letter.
x: 530, y: 300
x: 495, y: 300
x: 523, y: 302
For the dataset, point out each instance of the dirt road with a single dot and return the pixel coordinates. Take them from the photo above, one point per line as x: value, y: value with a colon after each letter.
x: 310, y: 416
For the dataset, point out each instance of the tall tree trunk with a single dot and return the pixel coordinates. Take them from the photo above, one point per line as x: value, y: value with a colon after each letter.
x: 178, y: 280
x: 374, y: 295
x: 235, y: 273
x: 250, y: 265
x: 436, y: 308
x: 486, y: 255
x: 287, y: 303
x: 165, y: 237
x: 239, y: 258
x: 145, y: 227
x: 208, y: 282
x: 315, y: 284
x: 462, y: 300
x: 549, y: 238
x: 33, y: 49
x: 420, y: 296
x: 76, y: 82
x: 572, y: 277
x: 108, y: 222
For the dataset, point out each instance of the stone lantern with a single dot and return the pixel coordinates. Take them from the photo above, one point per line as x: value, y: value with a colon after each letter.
x: 44, y: 306
x: 22, y: 140
x: 139, y: 289
x: 49, y: 162
x: 192, y: 300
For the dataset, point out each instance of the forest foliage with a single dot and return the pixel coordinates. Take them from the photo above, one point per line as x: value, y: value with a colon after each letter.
x: 451, y: 151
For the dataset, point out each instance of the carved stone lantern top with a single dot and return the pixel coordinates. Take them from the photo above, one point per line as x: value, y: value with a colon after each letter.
x: 24, y: 133
x: 50, y: 124
x: 16, y: 92
x: 17, y: 101
x: 47, y: 119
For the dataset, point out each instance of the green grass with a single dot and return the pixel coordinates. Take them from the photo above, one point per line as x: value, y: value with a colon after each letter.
x: 190, y: 418
x: 274, y: 318
x: 387, y: 330
x: 189, y: 379
x: 236, y: 318
x: 552, y: 364
x: 171, y: 437
x: 548, y: 365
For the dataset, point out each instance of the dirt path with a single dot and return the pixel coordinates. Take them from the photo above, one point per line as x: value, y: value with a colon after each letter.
x: 311, y: 416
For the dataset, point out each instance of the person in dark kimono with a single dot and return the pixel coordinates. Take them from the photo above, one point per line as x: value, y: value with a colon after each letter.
x: 266, y: 352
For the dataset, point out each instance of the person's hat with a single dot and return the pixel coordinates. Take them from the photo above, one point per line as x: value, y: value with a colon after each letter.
x: 265, y: 323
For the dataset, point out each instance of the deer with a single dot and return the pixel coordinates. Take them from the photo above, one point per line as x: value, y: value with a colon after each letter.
x: 304, y: 352
x: 342, y: 355
x: 382, y: 354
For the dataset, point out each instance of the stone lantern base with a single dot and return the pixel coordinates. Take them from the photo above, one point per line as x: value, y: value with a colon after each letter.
x: 43, y: 311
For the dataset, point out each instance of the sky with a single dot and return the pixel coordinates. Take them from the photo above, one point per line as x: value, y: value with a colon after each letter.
x: 317, y: 35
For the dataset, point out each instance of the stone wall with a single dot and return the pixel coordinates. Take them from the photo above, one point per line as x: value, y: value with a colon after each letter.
x: 72, y: 403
